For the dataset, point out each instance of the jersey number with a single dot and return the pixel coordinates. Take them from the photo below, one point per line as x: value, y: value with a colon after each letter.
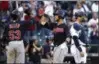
x: 14, y: 35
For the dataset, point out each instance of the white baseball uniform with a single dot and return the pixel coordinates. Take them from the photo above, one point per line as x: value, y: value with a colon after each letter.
x: 74, y: 51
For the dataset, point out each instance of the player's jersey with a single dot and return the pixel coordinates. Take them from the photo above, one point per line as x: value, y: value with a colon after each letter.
x: 15, y: 31
x: 75, y: 30
x: 60, y: 34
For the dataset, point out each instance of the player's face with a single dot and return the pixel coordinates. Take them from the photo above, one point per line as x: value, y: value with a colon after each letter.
x: 81, y: 19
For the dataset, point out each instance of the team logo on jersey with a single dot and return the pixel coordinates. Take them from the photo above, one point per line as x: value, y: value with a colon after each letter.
x: 58, y: 30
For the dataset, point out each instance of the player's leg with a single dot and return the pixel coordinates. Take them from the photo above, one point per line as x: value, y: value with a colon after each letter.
x: 62, y: 55
x: 84, y: 59
x: 10, y: 53
x: 56, y: 55
x: 59, y: 53
x: 20, y: 52
x: 75, y: 53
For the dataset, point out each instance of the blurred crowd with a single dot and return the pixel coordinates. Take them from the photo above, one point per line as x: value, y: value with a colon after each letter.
x: 42, y: 15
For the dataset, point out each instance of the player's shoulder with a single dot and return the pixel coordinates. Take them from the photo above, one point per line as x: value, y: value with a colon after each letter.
x: 77, y: 26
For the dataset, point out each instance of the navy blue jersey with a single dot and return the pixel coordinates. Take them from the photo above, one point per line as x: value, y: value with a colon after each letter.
x: 60, y: 33
x: 15, y: 30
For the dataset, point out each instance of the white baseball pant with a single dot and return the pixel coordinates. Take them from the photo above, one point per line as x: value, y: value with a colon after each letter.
x: 16, y: 52
x: 59, y: 53
x: 76, y: 53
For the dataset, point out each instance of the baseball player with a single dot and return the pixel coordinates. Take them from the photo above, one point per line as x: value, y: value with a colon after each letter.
x: 78, y: 49
x: 14, y: 32
x: 61, y: 32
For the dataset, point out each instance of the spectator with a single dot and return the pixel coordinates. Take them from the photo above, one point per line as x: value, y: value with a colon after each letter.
x: 21, y: 11
x: 94, y: 36
x: 86, y: 8
x: 44, y: 22
x: 93, y: 21
x: 40, y: 12
x: 40, y: 4
x: 31, y: 29
x: 33, y: 6
x: 78, y: 8
x: 47, y: 55
x: 22, y: 7
x: 4, y: 10
x: 95, y: 7
x: 94, y: 40
x: 49, y: 9
x: 35, y: 52
x: 47, y: 49
x: 44, y: 26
